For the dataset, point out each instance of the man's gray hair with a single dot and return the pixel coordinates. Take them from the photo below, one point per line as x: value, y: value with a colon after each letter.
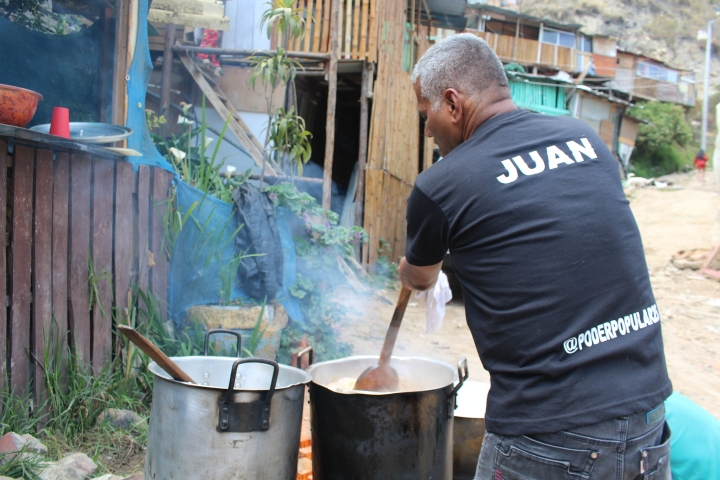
x: 464, y: 62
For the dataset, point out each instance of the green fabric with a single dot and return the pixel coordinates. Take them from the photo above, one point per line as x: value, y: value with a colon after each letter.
x: 695, y: 442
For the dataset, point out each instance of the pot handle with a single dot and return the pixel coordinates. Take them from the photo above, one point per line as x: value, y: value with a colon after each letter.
x: 463, y: 374
x: 228, y: 332
x: 250, y: 416
x: 309, y: 352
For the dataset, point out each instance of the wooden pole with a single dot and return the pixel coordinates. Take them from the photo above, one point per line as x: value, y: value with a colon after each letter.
x: 167, y: 69
x: 362, y: 153
x: 332, y: 100
x: 120, y: 66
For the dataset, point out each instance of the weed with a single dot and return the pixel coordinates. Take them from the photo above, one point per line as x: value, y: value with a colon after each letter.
x: 21, y: 465
x: 256, y: 334
x: 17, y: 414
x: 93, y: 281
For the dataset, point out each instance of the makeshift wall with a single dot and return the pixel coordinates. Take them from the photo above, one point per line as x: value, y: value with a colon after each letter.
x: 70, y: 209
x: 394, y: 144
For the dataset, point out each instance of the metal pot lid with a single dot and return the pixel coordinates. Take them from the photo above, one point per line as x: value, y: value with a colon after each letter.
x: 88, y: 132
x: 214, y: 373
x: 417, y: 374
x: 472, y: 399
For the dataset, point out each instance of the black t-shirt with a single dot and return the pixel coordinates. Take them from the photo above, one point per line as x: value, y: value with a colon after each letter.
x: 557, y: 293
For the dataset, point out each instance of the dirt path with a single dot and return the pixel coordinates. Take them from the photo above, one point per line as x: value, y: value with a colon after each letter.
x: 669, y: 220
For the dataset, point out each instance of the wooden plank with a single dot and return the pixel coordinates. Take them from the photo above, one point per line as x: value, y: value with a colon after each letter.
x: 21, y: 247
x: 364, y: 29
x: 327, y: 8
x: 60, y: 225
x: 167, y: 71
x: 362, y: 149
x: 356, y: 30
x: 123, y: 246
x: 347, y: 38
x: 3, y: 264
x: 330, y: 118
x: 79, y: 251
x: 120, y: 67
x: 317, y: 25
x: 225, y: 110
x: 143, y: 227
x: 42, y: 265
x: 102, y: 246
x: 308, y: 38
x: 158, y: 205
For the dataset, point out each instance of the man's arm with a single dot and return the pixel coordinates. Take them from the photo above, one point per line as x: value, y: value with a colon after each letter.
x: 418, y: 278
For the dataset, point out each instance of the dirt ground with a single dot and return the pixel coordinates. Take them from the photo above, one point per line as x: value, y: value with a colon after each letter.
x: 684, y: 216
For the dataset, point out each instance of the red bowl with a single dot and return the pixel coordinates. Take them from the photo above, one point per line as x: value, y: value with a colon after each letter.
x: 17, y: 105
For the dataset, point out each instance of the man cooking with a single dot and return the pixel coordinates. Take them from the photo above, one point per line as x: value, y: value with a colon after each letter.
x: 556, y: 287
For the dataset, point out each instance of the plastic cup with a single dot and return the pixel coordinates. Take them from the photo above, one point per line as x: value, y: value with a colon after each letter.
x: 60, y: 122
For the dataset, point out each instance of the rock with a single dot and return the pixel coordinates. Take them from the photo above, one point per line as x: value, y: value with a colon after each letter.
x: 125, y: 419
x: 6, y: 478
x: 107, y: 476
x: 135, y: 476
x: 76, y: 466
x: 12, y: 442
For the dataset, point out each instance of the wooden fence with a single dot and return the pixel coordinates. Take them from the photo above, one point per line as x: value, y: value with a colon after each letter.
x: 76, y: 217
x: 357, y: 29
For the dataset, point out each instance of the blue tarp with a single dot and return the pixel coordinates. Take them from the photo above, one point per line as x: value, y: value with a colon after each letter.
x: 206, y: 245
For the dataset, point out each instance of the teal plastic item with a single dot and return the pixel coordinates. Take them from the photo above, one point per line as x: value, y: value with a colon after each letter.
x: 695, y: 441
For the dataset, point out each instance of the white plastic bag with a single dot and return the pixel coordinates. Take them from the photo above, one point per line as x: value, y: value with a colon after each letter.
x: 435, y: 300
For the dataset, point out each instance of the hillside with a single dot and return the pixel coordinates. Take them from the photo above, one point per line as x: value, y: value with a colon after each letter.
x: 664, y: 29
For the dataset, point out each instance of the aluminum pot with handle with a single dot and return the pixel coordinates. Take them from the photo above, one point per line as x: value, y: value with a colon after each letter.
x: 241, y: 420
x: 404, y: 435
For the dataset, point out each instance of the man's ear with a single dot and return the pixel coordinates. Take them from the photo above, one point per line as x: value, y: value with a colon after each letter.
x: 454, y: 103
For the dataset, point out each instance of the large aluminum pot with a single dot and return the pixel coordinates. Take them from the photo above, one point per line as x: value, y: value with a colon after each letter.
x: 241, y: 421
x: 379, y: 436
x: 469, y: 429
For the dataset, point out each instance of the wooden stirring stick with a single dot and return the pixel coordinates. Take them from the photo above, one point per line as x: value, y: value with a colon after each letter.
x: 384, y: 378
x: 155, y: 354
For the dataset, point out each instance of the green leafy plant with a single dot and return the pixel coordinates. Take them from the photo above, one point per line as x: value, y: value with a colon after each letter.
x: 662, y: 141
x: 290, y: 139
x: 190, y: 161
x: 228, y: 274
x: 286, y: 133
x: 287, y: 21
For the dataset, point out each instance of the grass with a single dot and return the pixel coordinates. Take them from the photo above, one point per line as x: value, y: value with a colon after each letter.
x: 67, y: 422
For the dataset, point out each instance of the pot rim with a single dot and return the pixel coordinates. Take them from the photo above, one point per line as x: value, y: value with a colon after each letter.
x: 10, y: 87
x: 164, y: 376
x: 441, y: 363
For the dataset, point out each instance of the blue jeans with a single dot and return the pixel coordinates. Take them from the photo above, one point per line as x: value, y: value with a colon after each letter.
x: 636, y: 447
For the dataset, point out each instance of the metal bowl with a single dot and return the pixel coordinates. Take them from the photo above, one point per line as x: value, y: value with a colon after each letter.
x: 17, y: 105
x: 88, y: 132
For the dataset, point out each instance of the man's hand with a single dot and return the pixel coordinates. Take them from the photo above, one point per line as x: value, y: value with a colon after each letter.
x: 418, y: 278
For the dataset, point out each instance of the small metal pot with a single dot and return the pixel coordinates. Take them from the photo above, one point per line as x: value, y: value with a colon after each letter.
x: 469, y: 429
x: 380, y: 436
x: 241, y: 421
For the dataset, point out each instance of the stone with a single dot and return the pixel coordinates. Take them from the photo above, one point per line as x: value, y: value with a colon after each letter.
x: 135, y: 476
x: 125, y: 419
x: 76, y: 466
x: 13, y: 442
x: 108, y: 476
x: 6, y: 478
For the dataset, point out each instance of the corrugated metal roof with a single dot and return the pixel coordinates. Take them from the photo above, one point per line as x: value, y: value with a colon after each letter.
x: 443, y: 13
